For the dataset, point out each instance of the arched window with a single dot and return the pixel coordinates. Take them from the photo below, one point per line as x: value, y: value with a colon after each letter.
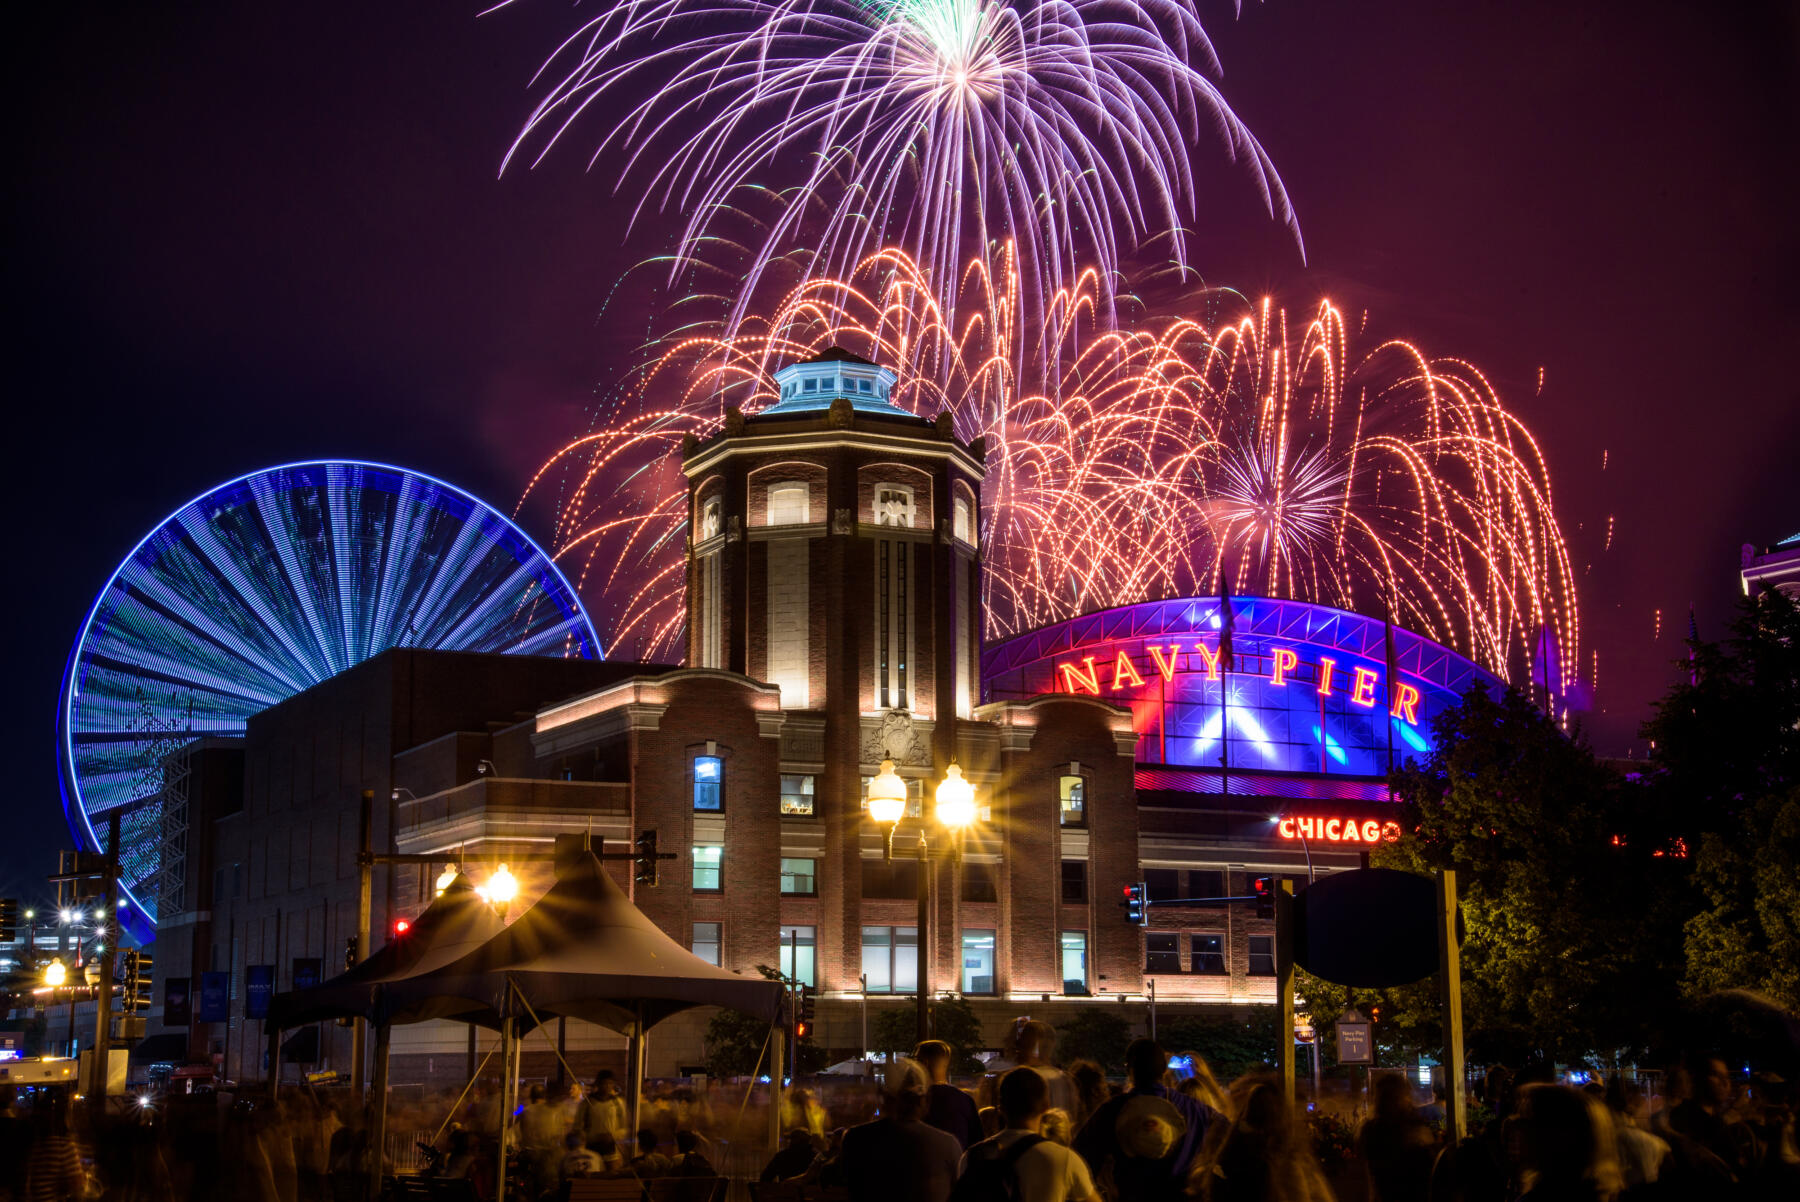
x: 788, y: 503
x: 962, y: 521
x: 710, y: 520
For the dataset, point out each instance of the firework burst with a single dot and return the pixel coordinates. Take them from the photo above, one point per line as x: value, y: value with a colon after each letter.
x: 950, y: 128
x: 1147, y: 461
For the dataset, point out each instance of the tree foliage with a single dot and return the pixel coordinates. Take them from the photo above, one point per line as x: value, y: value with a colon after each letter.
x: 1232, y: 1044
x: 1094, y: 1034
x: 953, y: 1020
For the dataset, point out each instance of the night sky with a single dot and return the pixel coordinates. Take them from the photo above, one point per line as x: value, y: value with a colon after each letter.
x: 246, y: 234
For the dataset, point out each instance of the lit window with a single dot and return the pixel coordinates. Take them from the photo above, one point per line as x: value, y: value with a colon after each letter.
x: 890, y: 959
x: 963, y: 520
x: 709, y: 868
x: 707, y: 941
x: 1209, y: 954
x: 799, y: 876
x: 709, y: 783
x: 1262, y: 955
x: 1074, y: 963
x: 1072, y: 791
x: 893, y: 505
x: 709, y: 519
x: 796, y: 796
x: 788, y: 504
x: 800, y: 943
x: 978, y: 960
x: 1162, y: 952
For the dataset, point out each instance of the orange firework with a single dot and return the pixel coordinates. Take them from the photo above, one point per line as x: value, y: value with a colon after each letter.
x: 1132, y: 469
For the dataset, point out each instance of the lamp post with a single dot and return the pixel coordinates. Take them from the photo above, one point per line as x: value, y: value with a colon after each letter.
x: 1276, y: 819
x: 954, y: 811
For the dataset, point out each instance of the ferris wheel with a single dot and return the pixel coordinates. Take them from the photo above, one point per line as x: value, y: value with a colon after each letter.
x: 263, y: 587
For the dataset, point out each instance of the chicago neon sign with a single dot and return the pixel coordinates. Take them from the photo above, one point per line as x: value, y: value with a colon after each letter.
x: 1339, y: 830
x: 1358, y: 684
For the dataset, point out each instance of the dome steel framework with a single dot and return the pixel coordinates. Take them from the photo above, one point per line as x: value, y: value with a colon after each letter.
x: 263, y: 587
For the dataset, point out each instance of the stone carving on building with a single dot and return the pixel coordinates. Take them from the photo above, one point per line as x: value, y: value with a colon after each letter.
x: 896, y: 737
x: 842, y: 522
x: 734, y: 529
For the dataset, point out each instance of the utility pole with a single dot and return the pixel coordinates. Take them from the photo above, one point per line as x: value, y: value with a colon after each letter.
x: 924, y: 938
x: 1456, y: 1116
x: 1284, y: 982
x: 109, y: 956
x: 365, y: 872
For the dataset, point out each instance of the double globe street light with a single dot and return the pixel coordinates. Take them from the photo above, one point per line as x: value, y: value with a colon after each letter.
x: 954, y: 811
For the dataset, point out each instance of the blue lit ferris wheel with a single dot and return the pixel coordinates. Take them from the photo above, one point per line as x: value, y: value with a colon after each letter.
x: 263, y: 587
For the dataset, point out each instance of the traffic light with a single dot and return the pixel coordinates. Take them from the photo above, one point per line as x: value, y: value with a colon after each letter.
x: 401, y: 926
x: 809, y: 1003
x: 1136, y: 895
x: 1375, y: 1013
x: 138, y: 964
x: 349, y: 953
x: 9, y: 919
x: 802, y: 1029
x: 645, y: 861
x: 1263, y: 889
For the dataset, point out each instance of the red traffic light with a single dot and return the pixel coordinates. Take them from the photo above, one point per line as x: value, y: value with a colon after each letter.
x: 802, y: 1029
x: 402, y: 925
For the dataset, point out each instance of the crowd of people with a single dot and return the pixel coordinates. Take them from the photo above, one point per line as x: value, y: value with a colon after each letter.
x: 1026, y: 1129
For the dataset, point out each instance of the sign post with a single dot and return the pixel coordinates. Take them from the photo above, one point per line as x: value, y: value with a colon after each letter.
x: 1353, y: 1043
x: 1456, y: 1116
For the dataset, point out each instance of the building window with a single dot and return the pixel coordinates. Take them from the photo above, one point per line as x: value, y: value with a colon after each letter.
x: 890, y: 959
x: 1074, y: 881
x: 811, y: 386
x: 798, y: 944
x: 963, y: 520
x: 1262, y: 955
x: 1209, y: 954
x: 1074, y: 963
x: 893, y: 505
x: 1164, y: 884
x: 896, y: 880
x: 710, y: 520
x: 1072, y: 790
x: 707, y: 941
x: 978, y: 883
x: 796, y: 796
x: 709, y: 864
x: 1162, y: 952
x: 978, y: 960
x: 1206, y: 882
x: 788, y: 504
x: 709, y: 783
x: 799, y: 876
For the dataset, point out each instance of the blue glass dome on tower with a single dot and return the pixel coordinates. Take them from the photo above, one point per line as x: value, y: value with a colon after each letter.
x: 263, y: 587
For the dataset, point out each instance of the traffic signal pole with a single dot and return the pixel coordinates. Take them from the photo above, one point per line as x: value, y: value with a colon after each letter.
x: 1284, y: 982
x: 1456, y: 1116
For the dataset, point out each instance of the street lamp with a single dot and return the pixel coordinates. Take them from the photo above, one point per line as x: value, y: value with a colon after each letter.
x: 500, y: 889
x: 1275, y: 819
x: 55, y: 975
x: 887, y: 802
x: 445, y: 879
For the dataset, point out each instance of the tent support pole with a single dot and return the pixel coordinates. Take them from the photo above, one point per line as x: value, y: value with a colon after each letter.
x: 777, y: 1062
x: 378, y: 1109
x: 274, y: 1034
x: 509, y: 1097
x: 634, y: 1074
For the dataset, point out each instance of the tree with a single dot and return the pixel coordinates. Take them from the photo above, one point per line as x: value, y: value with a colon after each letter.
x: 1748, y: 936
x: 1097, y: 1035
x: 953, y: 1020
x: 1568, y: 954
x: 1232, y: 1044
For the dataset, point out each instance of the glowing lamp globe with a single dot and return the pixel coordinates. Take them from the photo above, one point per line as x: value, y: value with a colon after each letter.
x: 501, y: 888
x: 55, y: 975
x: 445, y: 879
x: 955, y: 799
x: 887, y: 795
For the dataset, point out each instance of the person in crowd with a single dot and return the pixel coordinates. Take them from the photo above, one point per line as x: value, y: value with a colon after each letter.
x: 1566, y: 1149
x: 53, y: 1169
x: 1265, y: 1154
x: 690, y: 1161
x: 1204, y: 1088
x: 649, y: 1162
x: 946, y: 1107
x: 603, y: 1111
x: 992, y: 1122
x: 1021, y: 1162
x: 1056, y: 1128
x: 1143, y: 1143
x: 1036, y: 1041
x: 1091, y: 1090
x: 1641, y: 1154
x: 1706, y: 1119
x: 459, y: 1161
x: 1434, y: 1111
x: 607, y: 1149
x: 541, y: 1127
x: 1396, y: 1144
x: 578, y: 1159
x: 801, y: 1109
x: 899, y: 1157
x: 794, y: 1158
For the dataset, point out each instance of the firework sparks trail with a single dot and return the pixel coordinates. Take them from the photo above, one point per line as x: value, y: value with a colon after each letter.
x: 947, y: 127
x: 1357, y: 479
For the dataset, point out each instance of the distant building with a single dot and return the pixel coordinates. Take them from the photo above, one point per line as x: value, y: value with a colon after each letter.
x: 834, y: 621
x: 1775, y: 567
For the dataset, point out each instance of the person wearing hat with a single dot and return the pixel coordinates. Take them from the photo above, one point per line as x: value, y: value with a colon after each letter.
x: 1021, y: 1162
x: 899, y: 1157
x: 1141, y: 1144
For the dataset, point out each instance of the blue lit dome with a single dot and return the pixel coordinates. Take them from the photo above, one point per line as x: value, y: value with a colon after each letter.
x: 813, y: 384
x: 263, y: 587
